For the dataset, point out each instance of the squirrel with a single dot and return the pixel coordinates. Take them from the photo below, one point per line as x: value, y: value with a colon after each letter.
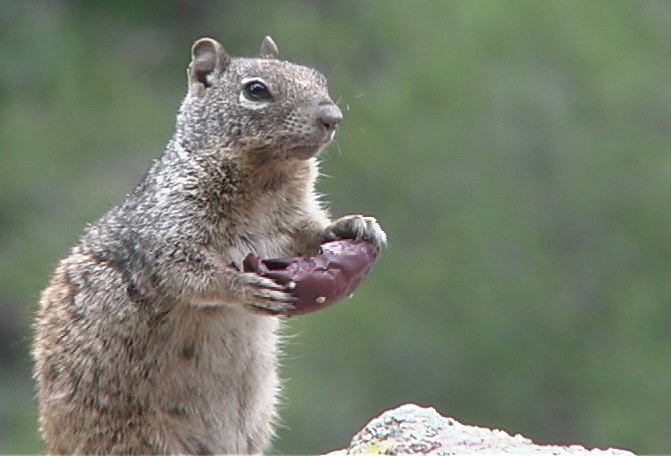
x: 148, y: 339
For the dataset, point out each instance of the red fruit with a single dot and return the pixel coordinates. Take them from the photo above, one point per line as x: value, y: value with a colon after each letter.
x: 321, y: 280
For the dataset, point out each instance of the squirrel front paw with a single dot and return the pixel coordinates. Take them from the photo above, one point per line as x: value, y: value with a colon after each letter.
x: 356, y: 227
x: 263, y: 295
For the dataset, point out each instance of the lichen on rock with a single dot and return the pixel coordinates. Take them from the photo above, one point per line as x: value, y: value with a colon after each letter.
x: 411, y: 429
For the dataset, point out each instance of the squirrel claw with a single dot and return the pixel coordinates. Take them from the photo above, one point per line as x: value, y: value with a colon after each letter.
x: 284, y: 309
x: 357, y: 227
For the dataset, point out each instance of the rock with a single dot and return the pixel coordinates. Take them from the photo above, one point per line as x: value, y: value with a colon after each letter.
x: 411, y: 429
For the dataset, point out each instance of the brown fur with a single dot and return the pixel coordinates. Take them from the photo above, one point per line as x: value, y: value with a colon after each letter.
x: 148, y: 340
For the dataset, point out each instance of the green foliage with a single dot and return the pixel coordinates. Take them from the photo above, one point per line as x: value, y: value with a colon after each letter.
x: 517, y: 154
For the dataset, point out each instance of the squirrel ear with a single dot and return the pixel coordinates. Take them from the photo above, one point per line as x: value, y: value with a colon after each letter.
x: 207, y: 57
x: 268, y: 49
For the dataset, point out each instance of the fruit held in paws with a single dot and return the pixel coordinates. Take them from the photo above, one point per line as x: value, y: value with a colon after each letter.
x: 320, y: 280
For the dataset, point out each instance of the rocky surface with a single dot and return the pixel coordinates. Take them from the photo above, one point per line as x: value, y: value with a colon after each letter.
x: 410, y: 429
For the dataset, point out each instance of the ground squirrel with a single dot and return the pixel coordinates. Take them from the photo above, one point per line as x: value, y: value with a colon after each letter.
x: 148, y: 340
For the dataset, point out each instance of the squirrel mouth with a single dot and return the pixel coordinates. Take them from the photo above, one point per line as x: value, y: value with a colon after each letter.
x: 305, y: 151
x: 311, y: 149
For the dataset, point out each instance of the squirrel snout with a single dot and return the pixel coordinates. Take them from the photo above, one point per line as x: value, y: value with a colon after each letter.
x: 329, y: 116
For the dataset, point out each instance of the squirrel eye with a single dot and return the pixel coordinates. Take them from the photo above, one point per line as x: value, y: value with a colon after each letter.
x: 257, y: 91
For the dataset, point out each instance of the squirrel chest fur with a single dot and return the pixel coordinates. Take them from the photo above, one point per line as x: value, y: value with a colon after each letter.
x: 148, y: 339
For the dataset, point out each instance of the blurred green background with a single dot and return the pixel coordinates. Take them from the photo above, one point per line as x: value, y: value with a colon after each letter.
x: 518, y: 154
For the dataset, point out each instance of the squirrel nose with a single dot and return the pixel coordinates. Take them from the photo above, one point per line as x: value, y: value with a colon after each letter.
x: 329, y: 116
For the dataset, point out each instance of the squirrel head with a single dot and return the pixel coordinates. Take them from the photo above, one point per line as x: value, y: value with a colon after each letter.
x: 263, y: 107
